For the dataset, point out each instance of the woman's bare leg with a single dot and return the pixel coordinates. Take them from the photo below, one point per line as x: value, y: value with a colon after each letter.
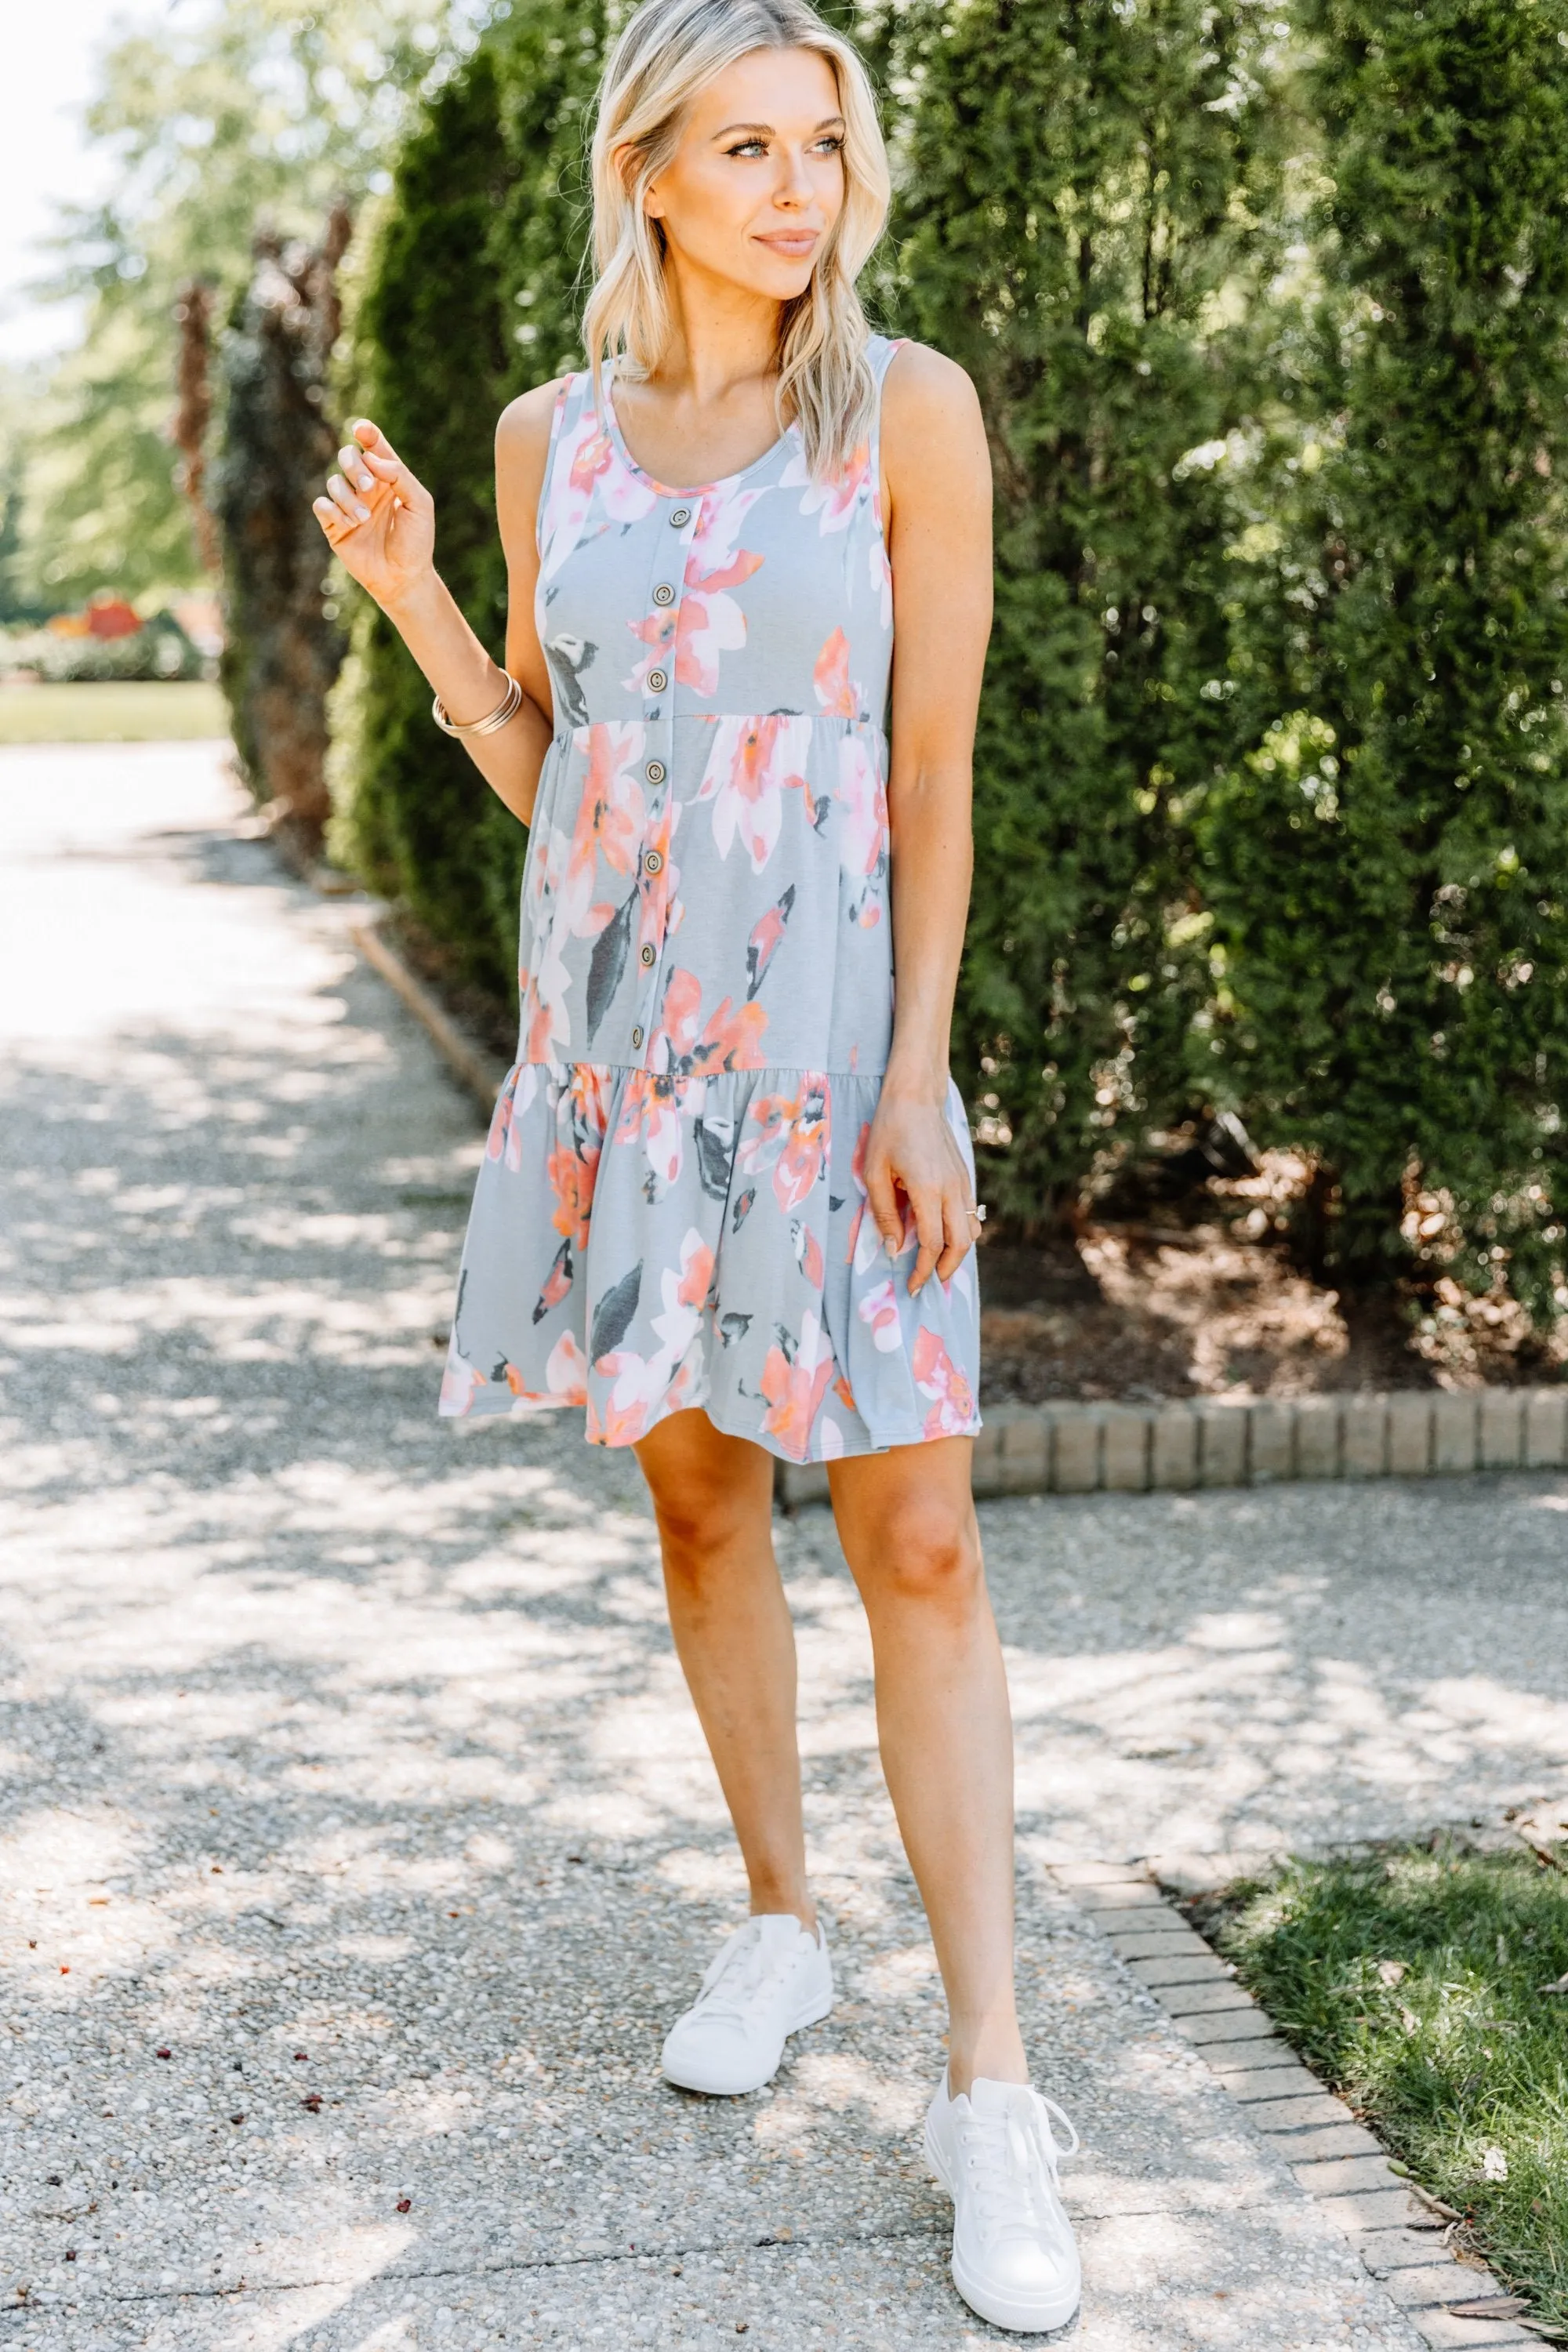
x: 712, y: 1498
x: 908, y: 1527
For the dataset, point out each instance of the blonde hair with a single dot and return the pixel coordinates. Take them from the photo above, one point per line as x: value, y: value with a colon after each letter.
x: 667, y: 52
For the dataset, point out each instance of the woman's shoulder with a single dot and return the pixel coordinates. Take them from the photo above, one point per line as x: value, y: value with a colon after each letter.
x: 924, y: 384
x: 523, y: 426
x: 522, y: 453
x: 930, y: 415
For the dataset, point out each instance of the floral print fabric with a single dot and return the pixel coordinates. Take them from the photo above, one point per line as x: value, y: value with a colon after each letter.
x: 671, y: 1212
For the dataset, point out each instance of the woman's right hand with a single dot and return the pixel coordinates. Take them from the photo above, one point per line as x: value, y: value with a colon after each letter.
x: 380, y: 520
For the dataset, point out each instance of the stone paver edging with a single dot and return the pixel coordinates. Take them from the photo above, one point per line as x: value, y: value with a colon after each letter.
x: 1403, y: 2239
x: 1081, y: 1449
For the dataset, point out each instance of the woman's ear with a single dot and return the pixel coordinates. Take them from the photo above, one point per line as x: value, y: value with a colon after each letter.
x: 652, y: 204
x: 627, y: 159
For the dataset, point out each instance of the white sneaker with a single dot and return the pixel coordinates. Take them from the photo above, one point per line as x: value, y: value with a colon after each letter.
x: 769, y: 1979
x: 1014, y: 2258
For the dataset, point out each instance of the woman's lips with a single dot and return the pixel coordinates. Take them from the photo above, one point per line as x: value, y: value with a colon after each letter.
x: 792, y: 242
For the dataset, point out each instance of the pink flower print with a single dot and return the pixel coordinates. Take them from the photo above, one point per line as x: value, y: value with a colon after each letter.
x: 710, y: 621
x: 696, y: 1270
x: 807, y: 1253
x: 651, y: 1108
x: 862, y: 825
x: 732, y: 1039
x: 751, y: 764
x: 624, y: 1416
x: 571, y: 1179
x: 705, y: 620
x: 678, y: 1017
x: 834, y: 500
x: 644, y: 1389
x: 610, y: 814
x: 800, y: 1162
x: 937, y: 1376
x: 571, y: 1170
x: 880, y: 1309
x: 765, y: 941
x: 557, y: 1284
x: 545, y: 1021
x: 656, y: 632
x: 505, y: 1138
x: 787, y: 1133
x: 660, y: 909
x: 794, y: 1381
x: 566, y: 1371
x: 586, y: 464
x: 839, y: 698
x: 459, y: 1383
x: 543, y: 985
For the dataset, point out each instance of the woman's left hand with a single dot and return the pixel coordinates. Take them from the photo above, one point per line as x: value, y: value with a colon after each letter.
x: 913, y: 1150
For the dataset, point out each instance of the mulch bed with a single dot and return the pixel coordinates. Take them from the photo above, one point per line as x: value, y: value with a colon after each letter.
x: 1203, y: 1298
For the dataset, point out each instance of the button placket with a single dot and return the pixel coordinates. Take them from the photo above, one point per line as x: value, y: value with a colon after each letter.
x: 668, y: 568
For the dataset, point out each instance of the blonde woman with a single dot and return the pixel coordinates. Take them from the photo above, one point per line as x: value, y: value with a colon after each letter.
x: 728, y: 1204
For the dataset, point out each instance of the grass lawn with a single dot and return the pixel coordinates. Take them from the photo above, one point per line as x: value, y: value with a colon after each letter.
x: 1412, y: 1982
x: 159, y: 711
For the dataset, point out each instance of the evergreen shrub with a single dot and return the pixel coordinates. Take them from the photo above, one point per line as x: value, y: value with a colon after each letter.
x: 1388, y: 863
x: 1089, y: 206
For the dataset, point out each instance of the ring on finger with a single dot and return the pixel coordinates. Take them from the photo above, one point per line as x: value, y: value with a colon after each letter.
x: 977, y: 1214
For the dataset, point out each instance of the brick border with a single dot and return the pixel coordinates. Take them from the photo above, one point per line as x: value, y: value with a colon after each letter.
x: 1403, y: 2240
x: 1084, y: 1449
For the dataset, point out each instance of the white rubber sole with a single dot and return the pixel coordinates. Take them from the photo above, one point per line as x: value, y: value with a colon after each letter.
x: 1023, y: 2316
x: 731, y: 2087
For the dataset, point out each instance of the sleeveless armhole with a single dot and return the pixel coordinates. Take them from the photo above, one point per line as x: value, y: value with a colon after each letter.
x: 557, y: 414
x: 881, y: 353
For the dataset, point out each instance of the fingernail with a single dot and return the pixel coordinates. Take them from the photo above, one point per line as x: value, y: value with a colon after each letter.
x: 362, y: 512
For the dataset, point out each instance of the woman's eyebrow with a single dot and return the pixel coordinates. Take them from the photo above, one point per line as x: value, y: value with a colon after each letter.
x: 765, y: 130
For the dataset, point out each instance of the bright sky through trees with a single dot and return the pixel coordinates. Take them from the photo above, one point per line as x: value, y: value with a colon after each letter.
x: 46, y: 159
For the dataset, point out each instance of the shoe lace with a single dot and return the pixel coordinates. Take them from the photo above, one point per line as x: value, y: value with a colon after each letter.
x: 740, y: 1974
x: 1005, y: 2156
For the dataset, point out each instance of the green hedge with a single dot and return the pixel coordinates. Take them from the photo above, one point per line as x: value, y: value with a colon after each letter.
x: 1267, y: 310
x: 1388, y: 867
x: 1090, y: 209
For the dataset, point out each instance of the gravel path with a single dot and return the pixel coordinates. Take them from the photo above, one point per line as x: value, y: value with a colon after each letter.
x: 358, y: 1840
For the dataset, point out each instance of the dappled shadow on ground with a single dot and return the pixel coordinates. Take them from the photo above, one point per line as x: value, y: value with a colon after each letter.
x: 347, y: 1761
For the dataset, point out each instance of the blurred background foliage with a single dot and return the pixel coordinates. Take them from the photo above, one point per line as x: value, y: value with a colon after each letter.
x: 1267, y: 306
x: 244, y: 115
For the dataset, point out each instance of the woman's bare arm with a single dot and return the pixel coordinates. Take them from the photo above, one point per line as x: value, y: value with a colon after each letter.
x: 937, y: 500
x: 381, y: 521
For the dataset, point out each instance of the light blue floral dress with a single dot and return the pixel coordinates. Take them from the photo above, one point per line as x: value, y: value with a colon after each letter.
x: 672, y: 1207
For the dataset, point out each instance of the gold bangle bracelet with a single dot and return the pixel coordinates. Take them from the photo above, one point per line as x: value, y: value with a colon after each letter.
x: 507, y: 707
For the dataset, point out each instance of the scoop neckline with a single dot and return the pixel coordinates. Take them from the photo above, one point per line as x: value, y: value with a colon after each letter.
x: 664, y: 489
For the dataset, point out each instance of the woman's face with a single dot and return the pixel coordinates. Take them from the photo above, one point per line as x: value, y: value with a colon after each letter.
x: 757, y: 182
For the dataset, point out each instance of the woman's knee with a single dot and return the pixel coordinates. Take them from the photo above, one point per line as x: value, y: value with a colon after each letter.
x: 709, y: 1492
x: 925, y: 1554
x: 704, y: 1520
